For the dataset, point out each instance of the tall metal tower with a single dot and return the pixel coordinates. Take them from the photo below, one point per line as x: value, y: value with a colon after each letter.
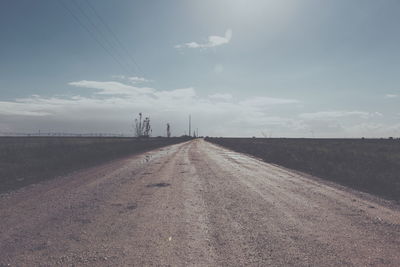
x: 190, y: 125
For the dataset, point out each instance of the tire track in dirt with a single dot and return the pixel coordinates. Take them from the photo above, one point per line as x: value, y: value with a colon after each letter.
x: 344, y: 228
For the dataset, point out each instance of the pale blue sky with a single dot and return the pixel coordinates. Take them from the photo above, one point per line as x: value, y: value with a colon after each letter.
x: 286, y: 68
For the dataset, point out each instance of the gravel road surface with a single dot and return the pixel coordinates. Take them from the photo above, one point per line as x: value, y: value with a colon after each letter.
x: 195, y: 204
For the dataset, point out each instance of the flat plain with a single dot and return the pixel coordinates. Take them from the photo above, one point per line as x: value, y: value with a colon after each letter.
x: 195, y: 204
x: 370, y: 165
x: 29, y: 160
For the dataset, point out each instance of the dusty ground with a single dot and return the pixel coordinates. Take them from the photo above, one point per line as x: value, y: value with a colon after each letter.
x: 195, y: 204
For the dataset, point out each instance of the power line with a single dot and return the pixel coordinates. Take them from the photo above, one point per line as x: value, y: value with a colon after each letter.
x: 100, y: 32
x: 114, y: 35
x: 93, y: 35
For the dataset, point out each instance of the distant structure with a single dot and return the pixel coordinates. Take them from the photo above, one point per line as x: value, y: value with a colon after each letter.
x: 190, y: 125
x: 168, y: 130
x: 142, y: 128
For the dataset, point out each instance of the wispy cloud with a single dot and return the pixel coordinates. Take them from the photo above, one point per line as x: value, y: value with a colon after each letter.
x: 119, y: 77
x: 218, y: 68
x: 213, y: 41
x: 112, y: 88
x: 337, y: 114
x: 19, y: 108
x: 266, y: 101
x: 219, y: 96
x: 133, y: 79
x: 138, y: 79
x: 375, y: 129
x: 391, y: 96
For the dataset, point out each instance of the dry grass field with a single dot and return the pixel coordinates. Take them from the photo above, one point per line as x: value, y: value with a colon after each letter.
x: 27, y: 160
x: 370, y: 165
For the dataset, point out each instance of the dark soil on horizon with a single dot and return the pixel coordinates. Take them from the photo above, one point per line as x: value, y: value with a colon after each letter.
x: 28, y: 160
x: 369, y: 165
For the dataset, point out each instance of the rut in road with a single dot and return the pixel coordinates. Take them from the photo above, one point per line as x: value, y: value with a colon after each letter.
x: 195, y: 204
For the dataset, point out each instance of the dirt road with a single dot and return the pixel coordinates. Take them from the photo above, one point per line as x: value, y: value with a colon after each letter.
x: 195, y: 204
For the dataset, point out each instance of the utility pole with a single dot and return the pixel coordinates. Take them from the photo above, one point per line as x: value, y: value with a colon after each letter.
x: 190, y: 125
x: 168, y: 130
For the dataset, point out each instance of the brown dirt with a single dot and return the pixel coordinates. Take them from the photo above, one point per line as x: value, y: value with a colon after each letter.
x: 195, y: 204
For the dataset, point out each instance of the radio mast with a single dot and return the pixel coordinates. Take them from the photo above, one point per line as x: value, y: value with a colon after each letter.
x: 190, y: 125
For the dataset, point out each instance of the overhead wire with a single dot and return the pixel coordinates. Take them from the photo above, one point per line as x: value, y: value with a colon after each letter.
x: 115, y: 36
x: 92, y: 33
x: 99, y: 32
